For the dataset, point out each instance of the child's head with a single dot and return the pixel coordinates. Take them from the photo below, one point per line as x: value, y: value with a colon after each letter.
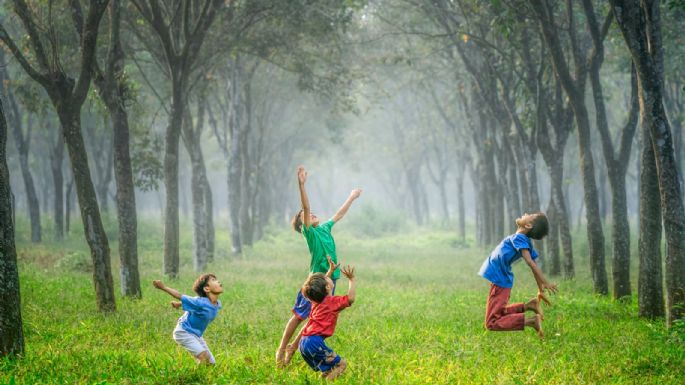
x: 207, y: 283
x: 317, y: 287
x: 535, y: 225
x: 298, y: 220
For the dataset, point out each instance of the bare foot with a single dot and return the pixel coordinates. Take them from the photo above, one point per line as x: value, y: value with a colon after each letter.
x: 280, y: 354
x: 537, y: 325
x: 289, y: 354
x: 534, y: 305
x: 336, y: 371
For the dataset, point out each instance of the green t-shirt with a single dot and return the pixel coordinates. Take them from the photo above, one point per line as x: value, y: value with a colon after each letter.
x: 321, y: 243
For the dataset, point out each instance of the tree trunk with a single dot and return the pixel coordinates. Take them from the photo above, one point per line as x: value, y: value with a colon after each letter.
x: 191, y: 140
x: 90, y: 213
x: 56, y: 160
x: 68, y: 200
x: 209, y: 217
x: 620, y: 236
x: 172, y: 136
x: 461, y: 220
x: 574, y: 89
x: 112, y: 89
x: 126, y: 205
x: 563, y: 220
x: 616, y: 167
x: 31, y: 196
x: 22, y: 142
x: 640, y: 24
x: 554, y: 265
x: 650, y: 280
x: 11, y: 332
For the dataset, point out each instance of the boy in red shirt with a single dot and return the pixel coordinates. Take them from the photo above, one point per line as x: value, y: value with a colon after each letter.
x: 322, y: 320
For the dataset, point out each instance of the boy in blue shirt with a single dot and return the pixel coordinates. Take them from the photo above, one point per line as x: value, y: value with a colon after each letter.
x: 199, y: 312
x: 499, y: 315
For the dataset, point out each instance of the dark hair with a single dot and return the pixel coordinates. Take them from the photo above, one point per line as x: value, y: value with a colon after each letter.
x: 540, y: 226
x: 201, y: 282
x: 314, y: 288
x: 297, y: 221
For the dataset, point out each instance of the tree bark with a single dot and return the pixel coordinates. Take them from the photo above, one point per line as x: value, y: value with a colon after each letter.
x: 22, y: 142
x: 112, y: 89
x: 575, y: 91
x: 461, y: 214
x: 90, y: 213
x: 67, y: 96
x: 639, y: 22
x: 650, y: 280
x: 11, y: 331
x: 191, y: 139
x: 617, y: 164
x: 56, y: 160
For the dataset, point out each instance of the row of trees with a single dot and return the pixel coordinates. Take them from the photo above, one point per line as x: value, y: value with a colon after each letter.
x: 492, y: 87
x: 498, y: 85
x: 205, y: 62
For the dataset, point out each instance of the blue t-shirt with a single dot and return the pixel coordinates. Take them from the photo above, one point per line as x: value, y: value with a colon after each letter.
x: 199, y: 312
x: 497, y: 267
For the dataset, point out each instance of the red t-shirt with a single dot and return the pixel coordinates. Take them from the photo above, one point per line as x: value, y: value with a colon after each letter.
x: 324, y: 315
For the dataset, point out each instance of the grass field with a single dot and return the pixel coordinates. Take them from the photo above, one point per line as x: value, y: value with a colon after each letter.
x: 418, y: 319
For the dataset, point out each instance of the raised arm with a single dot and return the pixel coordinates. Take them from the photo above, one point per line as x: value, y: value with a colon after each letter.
x: 172, y: 292
x: 542, y: 282
x: 348, y: 271
x: 331, y: 266
x: 346, y: 206
x: 301, y: 178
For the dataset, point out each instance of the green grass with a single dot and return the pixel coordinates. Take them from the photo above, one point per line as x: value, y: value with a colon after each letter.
x: 418, y: 319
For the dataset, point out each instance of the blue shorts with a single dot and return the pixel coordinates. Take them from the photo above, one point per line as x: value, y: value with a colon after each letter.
x: 302, y: 306
x: 317, y: 355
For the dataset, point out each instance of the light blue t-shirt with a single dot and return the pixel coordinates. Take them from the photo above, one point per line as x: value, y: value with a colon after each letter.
x: 497, y: 267
x: 199, y: 312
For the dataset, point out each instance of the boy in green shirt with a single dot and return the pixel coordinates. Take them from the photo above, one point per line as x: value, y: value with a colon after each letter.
x: 321, y: 244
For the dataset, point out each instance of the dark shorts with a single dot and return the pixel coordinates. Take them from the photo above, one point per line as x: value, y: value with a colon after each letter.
x: 317, y: 355
x: 302, y: 306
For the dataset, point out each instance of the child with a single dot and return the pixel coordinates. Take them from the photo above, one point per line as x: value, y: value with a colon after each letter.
x: 321, y: 244
x: 497, y: 269
x: 319, y: 289
x: 199, y: 312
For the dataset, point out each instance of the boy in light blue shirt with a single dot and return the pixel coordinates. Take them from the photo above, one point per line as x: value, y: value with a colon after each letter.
x: 499, y: 314
x: 199, y: 312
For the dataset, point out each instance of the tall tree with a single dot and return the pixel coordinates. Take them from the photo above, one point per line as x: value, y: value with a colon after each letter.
x: 180, y: 28
x: 574, y: 87
x: 11, y: 332
x: 640, y: 24
x: 23, y: 140
x: 67, y: 96
x: 114, y: 91
x: 616, y: 162
x: 650, y: 289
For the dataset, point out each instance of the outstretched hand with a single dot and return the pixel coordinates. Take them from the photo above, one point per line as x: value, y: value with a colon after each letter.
x: 550, y: 287
x: 348, y: 271
x: 301, y: 174
x: 331, y: 265
x: 354, y: 194
x: 158, y: 284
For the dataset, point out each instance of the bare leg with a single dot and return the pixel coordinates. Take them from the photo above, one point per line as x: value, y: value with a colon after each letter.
x: 336, y: 371
x: 535, y: 322
x: 534, y: 305
x: 288, y: 332
x: 292, y: 348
